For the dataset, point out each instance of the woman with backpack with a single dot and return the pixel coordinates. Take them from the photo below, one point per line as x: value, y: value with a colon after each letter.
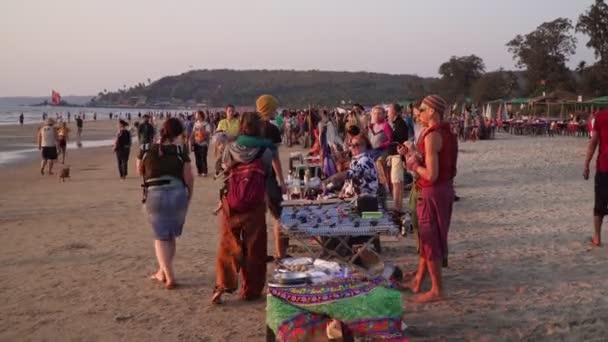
x: 242, y: 218
x: 168, y: 185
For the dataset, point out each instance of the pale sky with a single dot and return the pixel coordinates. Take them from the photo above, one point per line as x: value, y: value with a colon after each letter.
x: 80, y: 47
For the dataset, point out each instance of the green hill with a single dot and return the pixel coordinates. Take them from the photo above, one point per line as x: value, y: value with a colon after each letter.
x: 293, y: 88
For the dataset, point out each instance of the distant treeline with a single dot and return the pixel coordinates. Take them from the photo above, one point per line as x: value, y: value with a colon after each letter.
x: 541, y: 55
x: 294, y: 88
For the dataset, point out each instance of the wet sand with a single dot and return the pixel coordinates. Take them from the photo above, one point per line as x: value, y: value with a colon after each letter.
x: 16, y: 137
x: 76, y: 256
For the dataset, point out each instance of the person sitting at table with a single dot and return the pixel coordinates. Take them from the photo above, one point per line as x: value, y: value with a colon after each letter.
x: 434, y: 161
x: 362, y: 180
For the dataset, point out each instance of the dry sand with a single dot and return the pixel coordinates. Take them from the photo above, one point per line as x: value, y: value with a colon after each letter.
x: 75, y: 256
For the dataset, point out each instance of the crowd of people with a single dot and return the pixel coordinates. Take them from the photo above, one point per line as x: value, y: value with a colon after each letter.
x: 367, y: 156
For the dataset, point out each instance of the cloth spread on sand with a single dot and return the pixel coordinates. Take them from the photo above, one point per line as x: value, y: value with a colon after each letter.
x: 365, y: 308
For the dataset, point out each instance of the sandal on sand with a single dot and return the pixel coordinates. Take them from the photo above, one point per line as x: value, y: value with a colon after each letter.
x: 217, y: 296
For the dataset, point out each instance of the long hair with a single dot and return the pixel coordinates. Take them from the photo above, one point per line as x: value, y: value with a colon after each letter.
x: 250, y: 124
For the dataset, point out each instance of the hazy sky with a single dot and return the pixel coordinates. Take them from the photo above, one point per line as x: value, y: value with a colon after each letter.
x: 83, y: 46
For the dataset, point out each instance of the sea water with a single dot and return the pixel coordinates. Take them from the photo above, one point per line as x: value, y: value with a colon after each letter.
x: 11, y: 157
x: 9, y: 114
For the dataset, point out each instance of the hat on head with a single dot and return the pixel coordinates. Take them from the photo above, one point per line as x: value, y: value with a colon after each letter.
x: 266, y: 105
x: 436, y: 102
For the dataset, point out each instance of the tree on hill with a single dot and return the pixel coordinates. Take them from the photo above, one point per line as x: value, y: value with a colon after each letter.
x: 594, y: 23
x: 293, y: 88
x: 544, y: 53
x: 495, y: 85
x: 458, y: 76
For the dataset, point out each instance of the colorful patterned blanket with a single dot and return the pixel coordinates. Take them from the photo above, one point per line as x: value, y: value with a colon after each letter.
x: 370, y: 309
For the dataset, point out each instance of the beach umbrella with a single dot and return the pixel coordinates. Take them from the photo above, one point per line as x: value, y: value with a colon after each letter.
x: 488, y: 113
x: 499, y: 112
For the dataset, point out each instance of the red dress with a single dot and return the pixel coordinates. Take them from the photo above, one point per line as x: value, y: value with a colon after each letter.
x: 435, y: 201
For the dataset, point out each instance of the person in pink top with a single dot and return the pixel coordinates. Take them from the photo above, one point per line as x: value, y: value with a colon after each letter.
x: 599, y: 138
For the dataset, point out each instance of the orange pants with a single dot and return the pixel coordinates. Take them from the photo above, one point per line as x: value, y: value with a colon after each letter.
x: 243, y: 247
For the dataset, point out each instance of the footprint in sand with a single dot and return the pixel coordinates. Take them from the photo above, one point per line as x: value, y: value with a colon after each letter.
x: 69, y: 247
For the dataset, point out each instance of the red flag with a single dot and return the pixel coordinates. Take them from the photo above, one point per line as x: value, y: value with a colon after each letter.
x: 55, y: 98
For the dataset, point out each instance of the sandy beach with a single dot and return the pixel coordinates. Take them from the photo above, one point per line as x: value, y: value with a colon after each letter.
x: 76, y: 256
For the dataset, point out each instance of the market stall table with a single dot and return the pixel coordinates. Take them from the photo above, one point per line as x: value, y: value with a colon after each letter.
x: 338, y: 220
x: 364, y: 307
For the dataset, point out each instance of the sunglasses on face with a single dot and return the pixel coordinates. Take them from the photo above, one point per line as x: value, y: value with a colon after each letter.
x: 421, y: 109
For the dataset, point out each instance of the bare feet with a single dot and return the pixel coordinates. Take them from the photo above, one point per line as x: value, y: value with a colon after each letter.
x: 158, y: 276
x: 170, y: 285
x: 414, y: 285
x: 427, y: 297
x: 596, y: 242
x: 409, y: 274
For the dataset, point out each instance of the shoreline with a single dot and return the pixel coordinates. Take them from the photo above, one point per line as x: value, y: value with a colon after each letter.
x: 15, y: 157
x: 19, y: 144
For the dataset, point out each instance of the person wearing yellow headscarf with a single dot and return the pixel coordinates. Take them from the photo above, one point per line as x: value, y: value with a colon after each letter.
x: 266, y: 106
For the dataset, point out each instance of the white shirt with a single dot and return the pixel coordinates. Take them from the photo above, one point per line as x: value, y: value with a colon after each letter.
x: 49, y: 138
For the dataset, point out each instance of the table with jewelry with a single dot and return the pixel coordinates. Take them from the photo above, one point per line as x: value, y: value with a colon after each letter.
x: 332, y: 224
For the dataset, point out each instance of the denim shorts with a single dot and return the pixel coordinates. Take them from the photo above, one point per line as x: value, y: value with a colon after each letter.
x: 165, y: 209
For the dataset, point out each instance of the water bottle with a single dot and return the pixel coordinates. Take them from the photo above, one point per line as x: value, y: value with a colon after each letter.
x: 406, y: 223
x: 289, y: 179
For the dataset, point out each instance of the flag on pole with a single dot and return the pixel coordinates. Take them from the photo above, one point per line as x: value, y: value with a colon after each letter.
x: 55, y: 98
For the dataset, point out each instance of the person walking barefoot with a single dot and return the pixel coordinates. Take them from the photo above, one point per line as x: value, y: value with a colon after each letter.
x: 168, y: 187
x: 599, y: 138
x: 47, y: 143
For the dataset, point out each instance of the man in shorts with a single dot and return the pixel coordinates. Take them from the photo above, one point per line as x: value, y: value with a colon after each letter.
x: 400, y: 135
x: 47, y: 143
x: 599, y: 138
